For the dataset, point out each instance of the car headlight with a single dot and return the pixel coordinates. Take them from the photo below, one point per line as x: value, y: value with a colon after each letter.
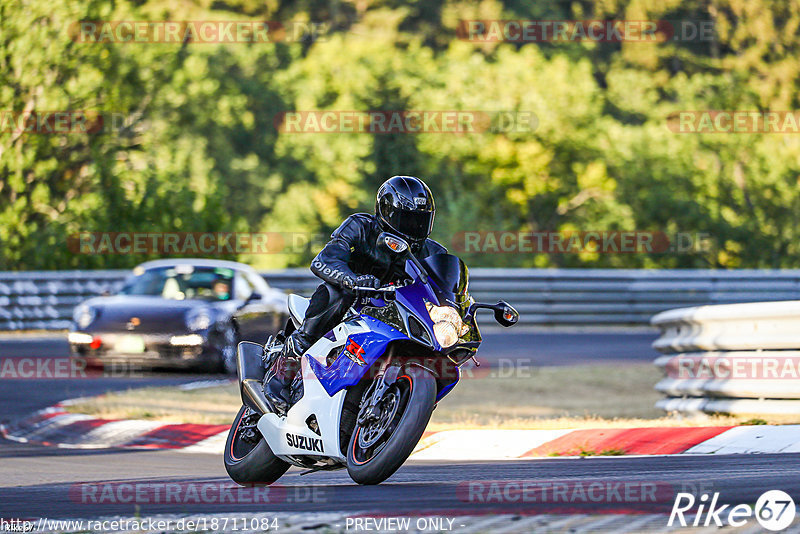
x: 84, y: 315
x: 447, y: 324
x: 198, y: 319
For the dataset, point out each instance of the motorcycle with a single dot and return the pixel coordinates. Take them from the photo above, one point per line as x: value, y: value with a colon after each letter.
x: 366, y: 390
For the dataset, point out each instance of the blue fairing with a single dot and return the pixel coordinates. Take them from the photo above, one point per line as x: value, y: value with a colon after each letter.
x: 344, y: 372
x: 413, y: 298
x: 449, y: 387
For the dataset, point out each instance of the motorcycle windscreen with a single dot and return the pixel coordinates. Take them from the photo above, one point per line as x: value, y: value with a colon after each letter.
x: 450, y: 277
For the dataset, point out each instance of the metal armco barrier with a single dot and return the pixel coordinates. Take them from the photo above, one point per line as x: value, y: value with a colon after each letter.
x: 45, y: 299
x: 734, y: 359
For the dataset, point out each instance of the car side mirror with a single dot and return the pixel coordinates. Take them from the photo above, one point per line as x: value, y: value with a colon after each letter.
x: 255, y: 295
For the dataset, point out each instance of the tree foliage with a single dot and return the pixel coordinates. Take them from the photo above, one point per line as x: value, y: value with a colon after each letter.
x: 189, y: 141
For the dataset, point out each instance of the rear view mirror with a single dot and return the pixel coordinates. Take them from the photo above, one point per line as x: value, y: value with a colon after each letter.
x: 398, y: 246
x: 391, y: 243
x: 505, y: 314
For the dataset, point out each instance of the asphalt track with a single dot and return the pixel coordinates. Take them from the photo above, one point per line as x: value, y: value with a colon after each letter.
x: 40, y: 481
x: 56, y: 483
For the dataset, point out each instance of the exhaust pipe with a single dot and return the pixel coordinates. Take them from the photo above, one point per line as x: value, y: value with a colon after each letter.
x: 251, y: 371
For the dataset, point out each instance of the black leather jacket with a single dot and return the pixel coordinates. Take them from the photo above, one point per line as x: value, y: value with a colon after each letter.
x: 352, y: 252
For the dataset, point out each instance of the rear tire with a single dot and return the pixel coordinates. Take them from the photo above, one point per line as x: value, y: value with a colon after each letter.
x: 247, y: 462
x: 373, y: 466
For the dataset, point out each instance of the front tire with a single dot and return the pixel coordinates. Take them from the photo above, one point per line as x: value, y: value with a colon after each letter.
x: 372, y: 459
x: 248, y: 460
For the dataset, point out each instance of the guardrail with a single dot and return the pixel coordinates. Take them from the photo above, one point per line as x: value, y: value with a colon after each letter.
x: 733, y: 359
x: 45, y: 299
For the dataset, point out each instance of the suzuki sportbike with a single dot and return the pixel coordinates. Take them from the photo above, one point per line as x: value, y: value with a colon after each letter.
x: 366, y: 389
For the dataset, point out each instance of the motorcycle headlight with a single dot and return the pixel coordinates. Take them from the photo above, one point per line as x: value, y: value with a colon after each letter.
x: 198, y: 320
x: 84, y: 315
x: 445, y: 333
x: 447, y: 324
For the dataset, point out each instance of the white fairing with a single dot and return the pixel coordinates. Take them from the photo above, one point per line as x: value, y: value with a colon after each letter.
x: 282, y: 432
x: 297, y: 309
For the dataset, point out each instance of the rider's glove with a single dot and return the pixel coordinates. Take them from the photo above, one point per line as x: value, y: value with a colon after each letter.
x: 365, y: 280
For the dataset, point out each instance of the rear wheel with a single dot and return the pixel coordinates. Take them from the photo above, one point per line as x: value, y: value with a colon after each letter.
x: 248, y: 458
x: 379, y: 447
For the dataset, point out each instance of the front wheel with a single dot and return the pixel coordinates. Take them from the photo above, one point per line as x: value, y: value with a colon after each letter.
x: 248, y: 458
x: 378, y: 448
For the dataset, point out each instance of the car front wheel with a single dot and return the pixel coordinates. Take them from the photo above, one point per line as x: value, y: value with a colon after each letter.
x: 224, y: 342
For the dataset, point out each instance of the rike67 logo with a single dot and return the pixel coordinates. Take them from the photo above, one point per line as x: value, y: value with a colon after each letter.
x: 774, y: 510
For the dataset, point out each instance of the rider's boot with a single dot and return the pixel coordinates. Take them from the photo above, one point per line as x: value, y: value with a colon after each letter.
x: 325, y: 310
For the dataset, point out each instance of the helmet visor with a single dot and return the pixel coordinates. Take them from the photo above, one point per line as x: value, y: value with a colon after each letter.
x: 415, y: 225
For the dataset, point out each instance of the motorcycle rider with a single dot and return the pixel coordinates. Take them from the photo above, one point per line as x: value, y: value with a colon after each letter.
x: 404, y: 207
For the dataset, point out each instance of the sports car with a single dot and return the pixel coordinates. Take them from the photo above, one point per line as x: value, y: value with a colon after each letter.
x: 179, y: 313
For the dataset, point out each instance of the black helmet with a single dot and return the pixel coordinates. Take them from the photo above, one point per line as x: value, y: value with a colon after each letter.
x: 405, y: 207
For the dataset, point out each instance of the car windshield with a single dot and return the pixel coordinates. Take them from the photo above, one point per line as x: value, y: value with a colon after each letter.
x: 182, y: 282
